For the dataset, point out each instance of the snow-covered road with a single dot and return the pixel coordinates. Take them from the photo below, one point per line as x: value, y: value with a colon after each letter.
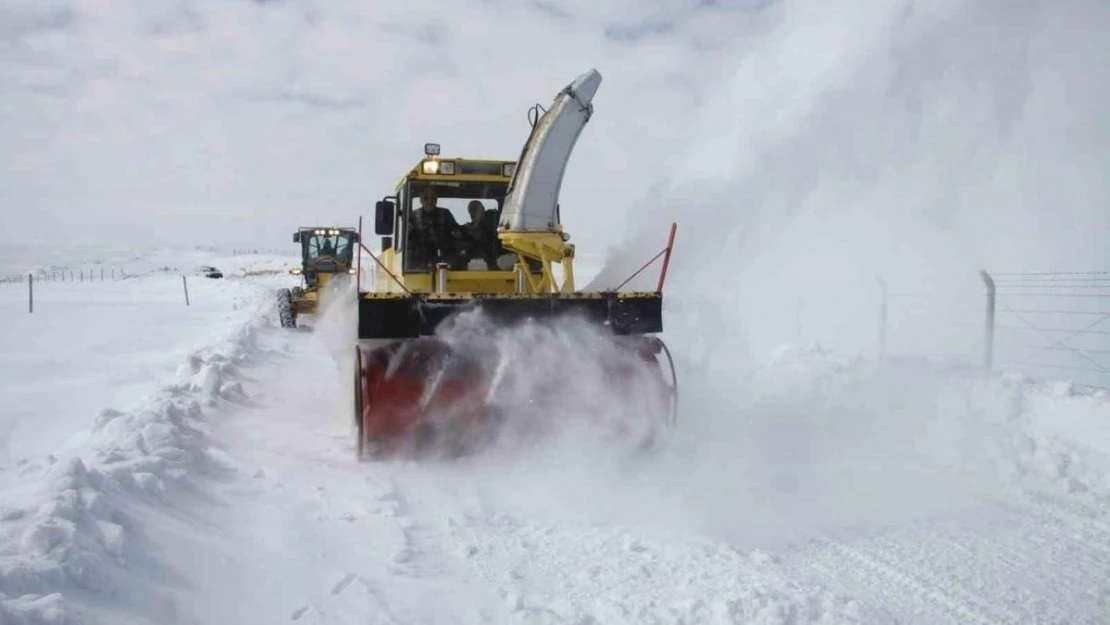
x: 829, y: 491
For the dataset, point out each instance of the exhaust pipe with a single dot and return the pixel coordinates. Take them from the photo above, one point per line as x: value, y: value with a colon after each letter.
x: 441, y: 278
x: 521, y: 277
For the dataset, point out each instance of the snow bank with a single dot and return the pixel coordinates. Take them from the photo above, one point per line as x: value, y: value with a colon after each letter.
x: 101, y: 344
x: 72, y: 537
x: 927, y: 435
x: 1037, y: 434
x: 1060, y: 436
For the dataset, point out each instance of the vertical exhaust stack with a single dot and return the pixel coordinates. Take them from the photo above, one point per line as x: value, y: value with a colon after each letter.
x: 532, y: 202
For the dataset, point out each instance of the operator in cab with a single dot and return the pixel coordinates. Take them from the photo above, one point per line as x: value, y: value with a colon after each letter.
x: 434, y: 229
x: 478, y: 237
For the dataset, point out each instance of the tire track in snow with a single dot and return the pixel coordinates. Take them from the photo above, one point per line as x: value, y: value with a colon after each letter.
x: 353, y: 599
x: 1015, y: 561
x: 928, y: 592
x: 340, y: 531
x: 547, y: 571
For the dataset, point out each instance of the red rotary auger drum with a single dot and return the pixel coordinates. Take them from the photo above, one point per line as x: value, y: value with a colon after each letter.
x: 431, y: 395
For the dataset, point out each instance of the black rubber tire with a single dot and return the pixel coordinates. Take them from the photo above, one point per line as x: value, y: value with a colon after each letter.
x: 359, y: 425
x: 286, y: 315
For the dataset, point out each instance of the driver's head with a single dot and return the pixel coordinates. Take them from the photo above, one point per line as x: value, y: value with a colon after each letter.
x: 428, y: 199
x: 475, y: 209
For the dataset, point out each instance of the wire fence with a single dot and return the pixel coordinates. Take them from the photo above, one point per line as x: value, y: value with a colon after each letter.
x: 244, y: 251
x: 1057, y: 323
x: 101, y: 274
x: 94, y: 272
x: 1052, y: 325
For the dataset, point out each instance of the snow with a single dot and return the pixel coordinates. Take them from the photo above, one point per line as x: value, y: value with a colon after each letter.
x: 199, y: 468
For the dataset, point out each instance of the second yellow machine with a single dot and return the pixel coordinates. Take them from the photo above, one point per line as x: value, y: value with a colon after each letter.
x: 327, y: 253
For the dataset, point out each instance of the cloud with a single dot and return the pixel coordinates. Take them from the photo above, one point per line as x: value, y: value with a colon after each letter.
x: 239, y: 121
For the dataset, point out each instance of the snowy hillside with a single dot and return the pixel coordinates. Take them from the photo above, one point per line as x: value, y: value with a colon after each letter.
x: 198, y: 467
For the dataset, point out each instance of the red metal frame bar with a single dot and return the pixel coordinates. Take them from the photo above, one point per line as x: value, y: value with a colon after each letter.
x: 643, y: 267
x: 667, y: 258
x: 666, y: 262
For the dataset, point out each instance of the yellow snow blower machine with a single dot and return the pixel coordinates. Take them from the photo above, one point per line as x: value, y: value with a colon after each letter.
x: 473, y: 257
x: 326, y: 256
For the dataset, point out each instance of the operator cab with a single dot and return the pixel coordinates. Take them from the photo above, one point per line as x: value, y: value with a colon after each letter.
x: 325, y: 250
x: 446, y: 211
x: 453, y: 223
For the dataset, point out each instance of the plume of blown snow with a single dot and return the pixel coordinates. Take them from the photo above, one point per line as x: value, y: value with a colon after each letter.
x: 554, y: 380
x: 915, y: 142
x: 336, y: 327
x: 829, y: 445
x: 337, y: 316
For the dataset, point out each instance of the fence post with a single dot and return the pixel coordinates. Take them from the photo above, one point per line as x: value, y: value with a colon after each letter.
x: 884, y: 296
x: 988, y: 343
x: 186, y: 286
x: 30, y: 293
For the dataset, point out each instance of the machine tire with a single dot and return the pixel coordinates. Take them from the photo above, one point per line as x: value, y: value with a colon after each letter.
x: 359, y: 425
x: 285, y: 309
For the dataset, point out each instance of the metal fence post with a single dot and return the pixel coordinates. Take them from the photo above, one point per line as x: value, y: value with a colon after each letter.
x: 30, y: 293
x: 186, y: 287
x: 883, y: 299
x: 988, y: 342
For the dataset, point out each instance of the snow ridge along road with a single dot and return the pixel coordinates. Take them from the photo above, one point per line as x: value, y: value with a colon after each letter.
x: 833, y: 491
x: 75, y: 476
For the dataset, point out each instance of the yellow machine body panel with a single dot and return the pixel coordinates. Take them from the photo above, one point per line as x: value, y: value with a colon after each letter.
x: 327, y: 254
x: 460, y: 181
x: 522, y: 273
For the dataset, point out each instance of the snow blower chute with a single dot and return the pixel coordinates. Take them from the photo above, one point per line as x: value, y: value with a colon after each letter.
x: 424, y: 385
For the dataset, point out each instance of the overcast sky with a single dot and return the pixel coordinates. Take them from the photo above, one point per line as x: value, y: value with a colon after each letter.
x: 240, y: 120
